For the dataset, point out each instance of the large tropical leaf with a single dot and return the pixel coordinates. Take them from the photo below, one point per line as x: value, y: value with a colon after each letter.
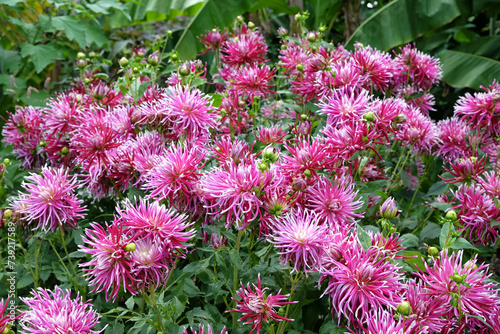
x: 214, y: 13
x: 488, y: 46
x: 462, y: 69
x: 402, y: 21
x: 324, y: 11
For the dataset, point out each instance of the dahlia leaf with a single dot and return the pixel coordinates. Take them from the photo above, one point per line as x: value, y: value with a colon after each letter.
x: 409, y: 240
x: 437, y: 188
x: 462, y: 243
x: 130, y: 303
x: 364, y: 238
x: 430, y: 231
x: 416, y: 259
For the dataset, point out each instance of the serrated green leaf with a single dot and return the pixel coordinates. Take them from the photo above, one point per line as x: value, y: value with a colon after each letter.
x: 409, y: 240
x: 74, y: 28
x: 461, y: 243
x: 437, y: 188
x: 417, y: 260
x: 41, y: 55
x: 130, y: 303
x: 441, y: 206
x: 364, y: 238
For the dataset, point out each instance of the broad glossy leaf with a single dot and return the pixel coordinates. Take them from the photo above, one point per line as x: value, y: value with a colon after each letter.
x: 488, y: 46
x: 462, y: 69
x: 214, y: 13
x: 401, y: 21
x: 324, y: 11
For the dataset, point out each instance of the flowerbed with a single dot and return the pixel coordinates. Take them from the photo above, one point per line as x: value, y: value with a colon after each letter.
x: 314, y: 195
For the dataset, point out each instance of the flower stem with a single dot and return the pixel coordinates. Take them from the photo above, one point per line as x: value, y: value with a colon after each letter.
x: 294, y: 280
x: 66, y: 249
x: 235, y: 274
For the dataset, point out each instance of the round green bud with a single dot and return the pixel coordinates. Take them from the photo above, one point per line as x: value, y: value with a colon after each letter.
x: 370, y: 116
x: 135, y: 70
x: 298, y: 17
x: 169, y: 32
x: 130, y: 247
x: 263, y: 166
x: 404, y: 308
x: 80, y: 55
x: 283, y: 46
x: 174, y: 57
x: 433, y: 251
x: 6, y: 162
x: 239, y: 18
x: 251, y: 25
x: 322, y: 29
x: 307, y: 173
x: 81, y: 63
x: 312, y: 36
x: 458, y: 278
x: 86, y: 81
x: 303, y: 117
x: 451, y: 215
x: 184, y: 70
x: 92, y: 54
x: 314, y: 48
x: 300, y: 67
x: 7, y: 213
x: 123, y: 62
x: 401, y: 118
x: 64, y: 150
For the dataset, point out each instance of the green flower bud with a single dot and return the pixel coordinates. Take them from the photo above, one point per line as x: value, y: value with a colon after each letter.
x: 80, y: 55
x: 312, y: 36
x: 298, y: 17
x: 86, y: 81
x: 123, y: 62
x: 174, y: 57
x: 389, y: 209
x: 6, y: 162
x: 64, y: 150
x: 458, y: 278
x: 81, y: 63
x: 251, y: 25
x: 370, y: 116
x: 433, y: 251
x: 92, y: 54
x: 401, y: 118
x: 239, y: 18
x: 269, y: 155
x: 303, y: 117
x: 451, y: 215
x: 307, y: 173
x: 135, y: 70
x: 130, y: 247
x: 322, y: 29
x: 7, y: 213
x: 184, y: 70
x: 263, y: 166
x: 404, y: 308
x: 300, y: 67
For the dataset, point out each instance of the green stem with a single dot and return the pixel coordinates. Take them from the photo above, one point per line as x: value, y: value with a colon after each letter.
x: 66, y: 250
x: 412, y: 199
x: 400, y: 170
x: 60, y: 259
x: 29, y: 263
x: 294, y: 280
x: 155, y: 308
x: 235, y: 275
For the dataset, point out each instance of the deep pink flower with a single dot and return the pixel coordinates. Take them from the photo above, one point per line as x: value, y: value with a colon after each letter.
x: 386, y: 111
x: 150, y: 263
x: 491, y: 183
x: 344, y: 104
x: 304, y: 156
x: 419, y: 131
x: 213, y: 39
x: 450, y: 277
x: 361, y: 282
x: 56, y: 312
x: 480, y: 110
x: 235, y: 191
x: 154, y: 220
x: 174, y: 176
x: 61, y: 113
x: 110, y: 266
x: 422, y: 69
x: 147, y: 148
x: 377, y: 64
x: 271, y: 135
x: 390, y: 246
x: 228, y: 151
x: 466, y: 170
x: 50, y: 200
x: 257, y: 308
x: 253, y: 81
x: 476, y: 211
x: 452, y: 133
x: 383, y: 322
x: 244, y: 48
x: 417, y: 98
x: 300, y: 237
x: 291, y: 56
x: 334, y: 201
x: 5, y: 318
x: 24, y: 131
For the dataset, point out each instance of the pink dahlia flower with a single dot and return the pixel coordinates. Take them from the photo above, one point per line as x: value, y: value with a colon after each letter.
x: 464, y: 285
x: 56, y: 312
x: 247, y: 47
x: 50, y: 200
x: 5, y: 318
x: 213, y: 39
x: 253, y: 81
x: 257, y: 307
x: 201, y: 330
x: 335, y: 202
x: 384, y: 322
x: 452, y: 133
x: 301, y: 239
x: 422, y: 69
x: 361, y: 282
x: 344, y: 104
x: 110, y: 266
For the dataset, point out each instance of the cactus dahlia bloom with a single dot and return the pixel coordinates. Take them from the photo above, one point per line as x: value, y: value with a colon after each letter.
x: 56, y: 312
x: 361, y: 282
x: 50, y: 201
x: 4, y: 318
x: 452, y: 132
x: 301, y: 239
x: 344, y: 104
x: 256, y: 307
x: 253, y: 81
x: 110, y: 266
x: 336, y: 203
x: 248, y: 47
x: 383, y: 322
x: 423, y: 70
x: 461, y: 287
x: 236, y: 192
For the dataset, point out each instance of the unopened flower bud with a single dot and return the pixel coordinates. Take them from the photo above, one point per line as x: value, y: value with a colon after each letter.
x: 135, y: 70
x: 401, y: 118
x: 370, y: 116
x: 263, y: 166
x: 174, y: 57
x: 432, y: 251
x: 86, y: 81
x: 241, y: 104
x: 6, y: 162
x: 239, y: 19
x: 312, y: 36
x: 64, y: 150
x: 283, y: 47
x: 81, y: 63
x: 451, y: 215
x: 169, y: 32
x: 457, y: 278
x: 80, y: 55
x: 307, y: 173
x: 389, y: 209
x: 298, y: 17
x: 123, y: 62
x: 269, y: 154
x: 299, y: 67
x: 404, y: 308
x: 322, y: 29
x: 154, y: 59
x: 303, y: 117
x: 251, y: 25
x: 7, y: 213
x: 92, y: 54
x: 129, y: 247
x: 282, y: 32
x: 299, y: 184
x: 184, y: 70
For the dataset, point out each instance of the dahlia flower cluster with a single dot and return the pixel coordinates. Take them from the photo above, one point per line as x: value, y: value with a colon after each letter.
x: 294, y: 171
